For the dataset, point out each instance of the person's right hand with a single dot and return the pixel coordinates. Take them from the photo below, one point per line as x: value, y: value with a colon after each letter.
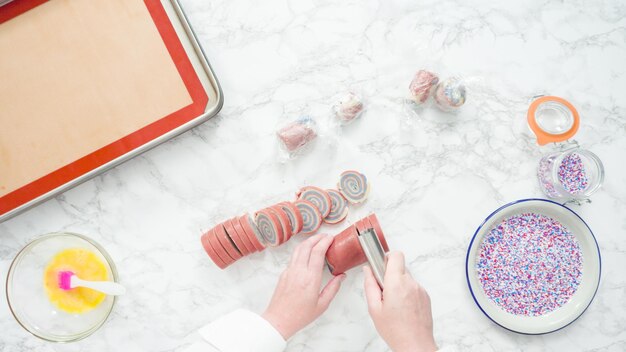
x: 401, y: 312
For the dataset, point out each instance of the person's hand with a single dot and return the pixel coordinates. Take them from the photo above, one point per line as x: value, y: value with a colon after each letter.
x: 401, y: 312
x: 297, y: 300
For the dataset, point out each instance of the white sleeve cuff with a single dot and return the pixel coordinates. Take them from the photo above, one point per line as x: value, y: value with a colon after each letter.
x: 200, y: 346
x: 243, y: 331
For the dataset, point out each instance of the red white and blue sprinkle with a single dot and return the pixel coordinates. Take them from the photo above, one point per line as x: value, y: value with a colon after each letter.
x: 572, y: 174
x: 529, y: 264
x: 544, y: 172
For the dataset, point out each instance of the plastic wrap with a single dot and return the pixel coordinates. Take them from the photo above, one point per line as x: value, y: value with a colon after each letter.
x: 450, y: 94
x: 422, y: 86
x: 349, y: 107
x: 430, y: 93
x: 297, y: 136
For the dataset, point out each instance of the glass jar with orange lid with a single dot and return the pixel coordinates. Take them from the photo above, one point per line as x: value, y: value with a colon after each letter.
x: 568, y: 172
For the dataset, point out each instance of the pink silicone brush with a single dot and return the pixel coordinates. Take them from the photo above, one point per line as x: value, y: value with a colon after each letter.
x: 68, y: 280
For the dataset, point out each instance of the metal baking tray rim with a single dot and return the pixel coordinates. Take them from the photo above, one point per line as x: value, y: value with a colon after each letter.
x: 167, y: 136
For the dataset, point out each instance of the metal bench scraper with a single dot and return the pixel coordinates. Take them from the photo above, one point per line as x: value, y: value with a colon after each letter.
x: 374, y: 252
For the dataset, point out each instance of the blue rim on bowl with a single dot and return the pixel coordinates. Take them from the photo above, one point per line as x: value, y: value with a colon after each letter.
x: 499, y: 317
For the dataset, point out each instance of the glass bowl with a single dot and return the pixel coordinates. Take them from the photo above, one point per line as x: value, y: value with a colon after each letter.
x: 29, y: 302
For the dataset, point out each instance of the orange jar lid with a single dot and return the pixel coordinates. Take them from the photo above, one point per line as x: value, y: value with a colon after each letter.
x: 552, y: 119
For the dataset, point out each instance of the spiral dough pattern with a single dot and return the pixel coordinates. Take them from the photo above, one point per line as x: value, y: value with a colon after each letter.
x: 268, y: 228
x: 311, y: 216
x: 353, y: 186
x: 318, y: 197
x: 338, y: 209
x: 295, y: 218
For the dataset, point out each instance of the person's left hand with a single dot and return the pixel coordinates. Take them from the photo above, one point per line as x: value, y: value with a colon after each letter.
x: 297, y: 300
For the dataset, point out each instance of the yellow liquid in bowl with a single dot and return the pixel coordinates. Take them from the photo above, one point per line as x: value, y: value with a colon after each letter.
x: 84, y: 264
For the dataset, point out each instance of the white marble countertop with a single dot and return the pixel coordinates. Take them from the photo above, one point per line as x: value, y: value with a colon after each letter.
x: 433, y: 182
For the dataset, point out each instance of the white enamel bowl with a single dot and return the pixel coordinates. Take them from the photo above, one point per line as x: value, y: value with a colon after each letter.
x: 562, y: 316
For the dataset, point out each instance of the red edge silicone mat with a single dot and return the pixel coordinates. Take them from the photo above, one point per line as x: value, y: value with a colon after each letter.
x: 125, y: 144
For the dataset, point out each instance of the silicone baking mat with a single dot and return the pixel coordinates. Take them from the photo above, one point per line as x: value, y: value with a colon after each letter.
x: 83, y: 83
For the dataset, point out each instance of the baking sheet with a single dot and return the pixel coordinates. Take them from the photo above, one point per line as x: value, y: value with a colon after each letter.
x: 86, y: 84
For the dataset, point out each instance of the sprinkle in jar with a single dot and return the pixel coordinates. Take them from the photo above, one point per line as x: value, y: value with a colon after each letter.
x: 572, y: 174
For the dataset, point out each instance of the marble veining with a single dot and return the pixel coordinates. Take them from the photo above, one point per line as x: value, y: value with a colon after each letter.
x: 434, y: 176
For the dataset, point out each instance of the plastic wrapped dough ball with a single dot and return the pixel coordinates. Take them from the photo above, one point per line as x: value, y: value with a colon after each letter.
x: 422, y: 85
x: 297, y: 134
x: 450, y: 94
x: 349, y: 107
